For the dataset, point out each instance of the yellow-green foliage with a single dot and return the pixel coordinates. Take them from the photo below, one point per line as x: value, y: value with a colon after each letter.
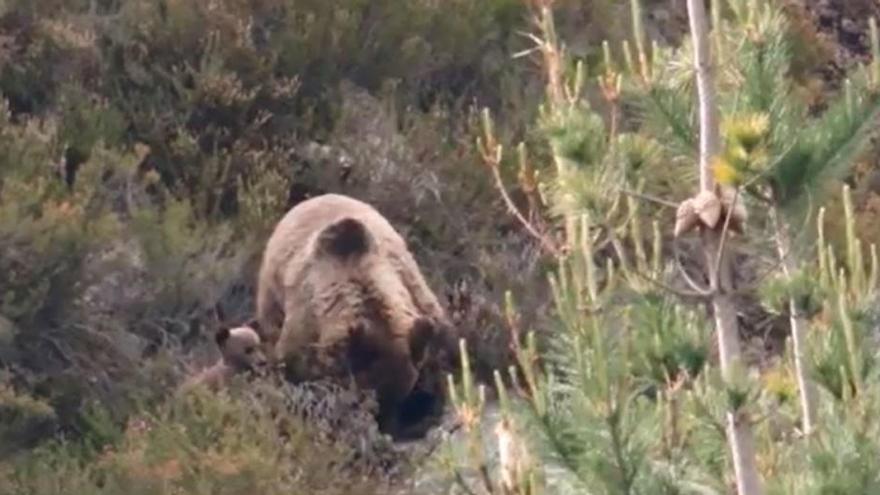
x: 58, y: 240
x: 224, y: 444
x: 45, y: 231
x: 146, y: 148
x: 186, y: 257
x: 222, y: 91
x: 22, y: 418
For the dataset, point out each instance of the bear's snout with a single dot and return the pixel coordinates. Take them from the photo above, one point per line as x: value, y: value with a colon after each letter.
x: 394, y: 380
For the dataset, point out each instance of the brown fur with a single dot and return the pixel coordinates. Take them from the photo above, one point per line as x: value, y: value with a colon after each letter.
x: 241, y: 350
x: 335, y: 272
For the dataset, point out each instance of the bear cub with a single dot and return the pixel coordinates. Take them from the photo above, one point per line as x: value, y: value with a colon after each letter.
x: 240, y: 352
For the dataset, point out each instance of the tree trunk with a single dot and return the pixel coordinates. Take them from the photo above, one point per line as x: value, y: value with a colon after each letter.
x: 739, y: 431
x: 799, y: 327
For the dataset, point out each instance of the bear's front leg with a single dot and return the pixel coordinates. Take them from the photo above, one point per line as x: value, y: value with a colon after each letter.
x: 293, y: 348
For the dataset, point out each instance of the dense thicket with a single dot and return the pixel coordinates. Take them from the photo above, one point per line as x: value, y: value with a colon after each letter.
x: 147, y: 146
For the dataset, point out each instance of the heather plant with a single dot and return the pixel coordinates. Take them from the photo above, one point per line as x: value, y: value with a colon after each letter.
x: 228, y: 443
x: 223, y: 93
x: 148, y: 147
x: 47, y: 233
x: 25, y: 419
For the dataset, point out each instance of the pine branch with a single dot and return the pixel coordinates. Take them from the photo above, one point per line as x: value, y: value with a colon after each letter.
x: 670, y: 112
x: 827, y: 149
x: 799, y: 327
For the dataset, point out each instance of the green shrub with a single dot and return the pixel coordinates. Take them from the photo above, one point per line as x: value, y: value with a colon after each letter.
x: 202, y: 444
x: 47, y: 232
x: 222, y: 92
x: 23, y: 418
x: 149, y: 146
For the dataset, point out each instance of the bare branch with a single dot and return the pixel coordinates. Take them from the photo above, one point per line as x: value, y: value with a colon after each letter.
x: 720, y: 253
x: 544, y: 239
x: 649, y: 198
x: 669, y: 288
x: 690, y: 281
x: 777, y: 263
x: 459, y: 479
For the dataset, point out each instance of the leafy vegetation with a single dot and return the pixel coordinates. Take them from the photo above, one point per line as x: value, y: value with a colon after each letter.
x: 148, y: 147
x: 190, y: 446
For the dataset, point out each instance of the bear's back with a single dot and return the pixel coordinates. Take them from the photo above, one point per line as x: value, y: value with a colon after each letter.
x: 316, y: 213
x: 295, y: 231
x: 289, y: 250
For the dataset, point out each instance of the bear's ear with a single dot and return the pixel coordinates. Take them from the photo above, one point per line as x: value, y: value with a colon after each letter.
x: 255, y: 324
x: 345, y: 238
x: 221, y: 336
x: 421, y: 334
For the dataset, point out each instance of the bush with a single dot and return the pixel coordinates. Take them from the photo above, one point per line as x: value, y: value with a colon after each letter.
x: 203, y: 444
x: 222, y: 101
x: 147, y: 148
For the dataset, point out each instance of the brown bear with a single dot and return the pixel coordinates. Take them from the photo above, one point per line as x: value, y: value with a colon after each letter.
x: 339, y: 292
x: 240, y: 351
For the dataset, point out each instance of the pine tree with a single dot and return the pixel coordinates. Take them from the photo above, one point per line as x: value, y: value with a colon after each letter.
x: 780, y: 163
x: 621, y: 394
x: 718, y: 265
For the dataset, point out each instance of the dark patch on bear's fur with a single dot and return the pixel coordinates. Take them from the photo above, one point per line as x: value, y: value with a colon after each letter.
x: 411, y: 418
x: 221, y: 336
x: 420, y: 337
x: 345, y: 238
x: 255, y: 324
x: 417, y: 414
x: 361, y: 351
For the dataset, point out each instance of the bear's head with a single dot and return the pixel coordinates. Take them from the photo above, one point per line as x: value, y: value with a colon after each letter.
x: 392, y: 367
x: 241, y: 348
x: 267, y: 344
